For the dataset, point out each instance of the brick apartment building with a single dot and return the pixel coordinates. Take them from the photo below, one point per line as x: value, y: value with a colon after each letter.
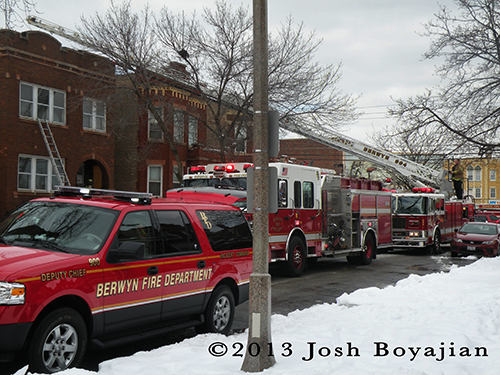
x: 40, y: 79
x: 105, y: 136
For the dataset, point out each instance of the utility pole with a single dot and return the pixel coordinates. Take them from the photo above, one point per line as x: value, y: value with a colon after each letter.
x: 259, y: 355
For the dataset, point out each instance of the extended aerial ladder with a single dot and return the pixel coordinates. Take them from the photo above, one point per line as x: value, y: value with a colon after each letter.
x: 416, y: 172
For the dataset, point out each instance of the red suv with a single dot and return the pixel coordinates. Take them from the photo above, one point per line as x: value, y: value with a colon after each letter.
x: 105, y: 267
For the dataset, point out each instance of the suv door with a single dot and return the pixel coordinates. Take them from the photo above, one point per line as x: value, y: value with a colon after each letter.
x: 132, y: 287
x: 187, y: 271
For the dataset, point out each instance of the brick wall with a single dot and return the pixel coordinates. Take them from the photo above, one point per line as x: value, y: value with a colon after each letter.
x: 312, y: 153
x: 38, y: 59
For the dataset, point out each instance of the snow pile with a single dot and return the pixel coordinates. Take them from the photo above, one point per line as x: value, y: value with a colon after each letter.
x: 446, y: 323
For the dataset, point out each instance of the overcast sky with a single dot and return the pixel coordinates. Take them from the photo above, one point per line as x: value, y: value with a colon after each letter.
x: 377, y: 42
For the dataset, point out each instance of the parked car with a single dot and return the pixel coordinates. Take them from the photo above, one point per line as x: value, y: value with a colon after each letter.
x: 489, y: 218
x: 104, y: 268
x: 477, y: 238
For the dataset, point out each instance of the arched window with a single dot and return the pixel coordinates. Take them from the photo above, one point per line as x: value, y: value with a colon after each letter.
x: 470, y: 173
x: 477, y: 173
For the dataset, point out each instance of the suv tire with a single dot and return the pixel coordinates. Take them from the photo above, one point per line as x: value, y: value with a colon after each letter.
x: 59, y: 342
x: 220, y: 311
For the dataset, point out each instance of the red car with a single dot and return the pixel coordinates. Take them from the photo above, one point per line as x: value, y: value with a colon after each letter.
x: 489, y: 218
x: 476, y: 238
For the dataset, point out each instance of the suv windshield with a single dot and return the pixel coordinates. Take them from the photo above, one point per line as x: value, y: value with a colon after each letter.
x: 409, y: 205
x: 55, y: 226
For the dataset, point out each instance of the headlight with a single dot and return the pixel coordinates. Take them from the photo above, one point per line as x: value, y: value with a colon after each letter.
x: 489, y: 242
x: 458, y: 240
x: 12, y: 293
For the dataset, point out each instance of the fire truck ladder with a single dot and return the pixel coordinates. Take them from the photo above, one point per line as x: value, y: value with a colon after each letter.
x: 420, y: 174
x: 55, y: 157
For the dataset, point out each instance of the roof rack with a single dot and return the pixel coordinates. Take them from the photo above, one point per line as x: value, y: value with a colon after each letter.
x: 73, y: 191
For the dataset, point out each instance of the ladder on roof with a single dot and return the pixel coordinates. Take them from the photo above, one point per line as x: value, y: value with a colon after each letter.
x: 54, y: 155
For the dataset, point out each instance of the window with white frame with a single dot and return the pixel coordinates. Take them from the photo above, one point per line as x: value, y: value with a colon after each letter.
x: 154, y: 129
x: 477, y: 173
x: 94, y: 115
x: 36, y: 102
x: 179, y: 126
x: 193, y: 130
x: 493, y: 175
x: 155, y: 181
x: 493, y: 193
x: 470, y: 173
x: 477, y: 193
x: 35, y: 173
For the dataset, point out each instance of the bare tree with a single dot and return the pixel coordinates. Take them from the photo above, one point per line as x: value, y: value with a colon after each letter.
x: 220, y: 57
x: 15, y: 11
x: 129, y: 41
x: 466, y: 107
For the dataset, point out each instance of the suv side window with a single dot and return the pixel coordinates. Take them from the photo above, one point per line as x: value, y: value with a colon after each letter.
x: 137, y: 227
x: 177, y: 233
x: 226, y: 230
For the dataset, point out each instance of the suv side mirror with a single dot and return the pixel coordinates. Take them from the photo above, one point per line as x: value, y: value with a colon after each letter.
x: 129, y: 250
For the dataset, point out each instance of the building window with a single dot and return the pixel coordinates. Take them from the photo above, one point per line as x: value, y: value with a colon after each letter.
x: 477, y: 173
x: 42, y: 103
x: 193, y: 131
x: 493, y: 175
x: 477, y: 193
x: 470, y: 173
x: 493, y: 193
x: 241, y: 140
x: 94, y: 115
x: 34, y: 174
x: 178, y: 126
x: 154, y: 129
x: 155, y: 173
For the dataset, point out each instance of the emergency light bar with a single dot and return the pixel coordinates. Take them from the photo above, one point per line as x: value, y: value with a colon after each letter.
x: 424, y: 190
x: 198, y: 169
x: 73, y: 191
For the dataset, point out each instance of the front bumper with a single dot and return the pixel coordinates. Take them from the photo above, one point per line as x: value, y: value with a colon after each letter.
x: 481, y: 250
x: 15, y: 336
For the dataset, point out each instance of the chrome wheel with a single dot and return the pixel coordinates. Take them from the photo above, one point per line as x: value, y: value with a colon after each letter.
x: 60, y: 347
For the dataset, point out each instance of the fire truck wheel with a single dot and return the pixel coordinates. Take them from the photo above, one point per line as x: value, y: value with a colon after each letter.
x: 436, y: 244
x: 220, y: 311
x: 59, y: 342
x: 365, y: 257
x: 296, y: 262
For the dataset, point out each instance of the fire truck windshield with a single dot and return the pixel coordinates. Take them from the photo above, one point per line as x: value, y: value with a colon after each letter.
x: 239, y: 183
x: 198, y: 182
x: 413, y: 205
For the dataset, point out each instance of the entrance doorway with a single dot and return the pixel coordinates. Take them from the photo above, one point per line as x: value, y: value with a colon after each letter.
x: 92, y: 174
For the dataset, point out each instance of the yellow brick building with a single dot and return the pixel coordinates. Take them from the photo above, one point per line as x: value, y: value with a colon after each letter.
x: 482, y: 179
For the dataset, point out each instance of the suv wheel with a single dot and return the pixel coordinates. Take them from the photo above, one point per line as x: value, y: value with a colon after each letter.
x: 59, y: 342
x: 219, y: 314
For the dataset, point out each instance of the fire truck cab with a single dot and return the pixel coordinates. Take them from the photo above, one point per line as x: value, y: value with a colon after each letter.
x: 231, y: 175
x: 424, y: 219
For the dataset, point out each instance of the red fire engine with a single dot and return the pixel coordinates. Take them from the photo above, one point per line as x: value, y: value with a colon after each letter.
x: 320, y: 215
x: 425, y: 219
x: 422, y: 218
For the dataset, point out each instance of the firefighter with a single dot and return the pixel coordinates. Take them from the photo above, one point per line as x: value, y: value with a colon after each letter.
x: 457, y: 173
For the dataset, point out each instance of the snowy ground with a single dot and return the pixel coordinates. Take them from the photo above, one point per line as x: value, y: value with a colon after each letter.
x: 444, y: 323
